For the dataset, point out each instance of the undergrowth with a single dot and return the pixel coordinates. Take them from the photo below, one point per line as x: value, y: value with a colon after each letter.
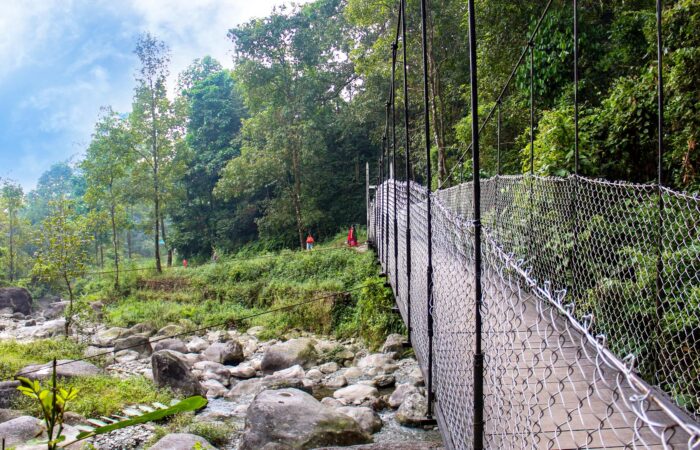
x: 238, y: 286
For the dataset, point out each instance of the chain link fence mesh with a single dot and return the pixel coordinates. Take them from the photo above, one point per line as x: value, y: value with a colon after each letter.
x: 591, y: 308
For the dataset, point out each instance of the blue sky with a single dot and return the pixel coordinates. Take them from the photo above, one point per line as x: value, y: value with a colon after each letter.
x: 60, y: 60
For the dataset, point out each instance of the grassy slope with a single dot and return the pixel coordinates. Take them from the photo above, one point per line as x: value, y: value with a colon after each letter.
x: 238, y: 287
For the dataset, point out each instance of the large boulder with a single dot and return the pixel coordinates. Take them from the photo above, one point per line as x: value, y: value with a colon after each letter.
x: 171, y: 369
x: 369, y: 421
x: 17, y: 299
x: 56, y: 309
x: 413, y: 410
x: 65, y: 368
x: 106, y: 338
x: 405, y: 445
x: 290, y: 353
x: 182, y: 441
x: 175, y: 345
x: 19, y: 430
x: 296, y: 420
x: 230, y: 352
x: 394, y: 343
x: 136, y: 342
x: 400, y: 393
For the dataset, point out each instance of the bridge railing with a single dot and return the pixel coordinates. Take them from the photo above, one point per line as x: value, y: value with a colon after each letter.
x: 591, y: 324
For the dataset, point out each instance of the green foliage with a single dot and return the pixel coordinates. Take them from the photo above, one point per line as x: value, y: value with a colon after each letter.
x: 53, y: 403
x: 372, y: 318
x: 62, y: 254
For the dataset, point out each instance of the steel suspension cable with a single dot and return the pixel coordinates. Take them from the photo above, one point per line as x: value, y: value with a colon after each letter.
x: 519, y: 62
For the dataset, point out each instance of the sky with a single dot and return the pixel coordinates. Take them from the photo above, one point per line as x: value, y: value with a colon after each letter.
x: 61, y: 60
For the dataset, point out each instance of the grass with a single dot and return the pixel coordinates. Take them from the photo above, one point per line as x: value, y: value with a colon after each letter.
x: 16, y: 355
x: 103, y: 395
x: 239, y: 286
x: 99, y: 395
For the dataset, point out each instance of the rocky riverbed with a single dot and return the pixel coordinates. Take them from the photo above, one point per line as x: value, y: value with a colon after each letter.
x: 302, y: 391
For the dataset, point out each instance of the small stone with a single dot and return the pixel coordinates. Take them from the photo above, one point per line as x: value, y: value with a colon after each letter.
x: 30, y: 323
x: 384, y: 381
x: 329, y: 367
x: 336, y: 382
x: 170, y: 330
x: 182, y: 441
x: 356, y: 394
x: 229, y: 352
x: 400, y: 393
x: 289, y: 373
x: 214, y: 388
x: 331, y: 402
x: 394, y: 343
x: 369, y: 421
x: 242, y: 371
x: 352, y: 373
x: 197, y: 345
x: 125, y: 356
x: 314, y: 375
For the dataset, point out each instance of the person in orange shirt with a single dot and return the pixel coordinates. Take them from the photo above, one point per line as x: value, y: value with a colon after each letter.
x: 309, y: 242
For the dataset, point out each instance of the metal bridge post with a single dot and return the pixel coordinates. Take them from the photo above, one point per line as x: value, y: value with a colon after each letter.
x: 660, y: 297
x: 386, y: 191
x: 478, y: 352
x: 408, y: 172
x: 429, y: 182
x: 394, y: 48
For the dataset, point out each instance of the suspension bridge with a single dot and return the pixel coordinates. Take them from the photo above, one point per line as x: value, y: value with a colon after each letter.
x: 545, y: 312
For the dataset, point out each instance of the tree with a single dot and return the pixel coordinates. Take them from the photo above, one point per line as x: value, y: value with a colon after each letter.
x: 297, y: 83
x: 12, y: 198
x: 106, y: 166
x: 152, y: 121
x: 62, y: 243
x: 202, y: 221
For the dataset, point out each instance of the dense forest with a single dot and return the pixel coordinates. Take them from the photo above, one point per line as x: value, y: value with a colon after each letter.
x: 276, y: 148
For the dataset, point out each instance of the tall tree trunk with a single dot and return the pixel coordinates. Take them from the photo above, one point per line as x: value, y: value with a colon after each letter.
x: 156, y: 188
x: 69, y: 316
x: 115, y: 246
x: 296, y: 197
x: 102, y: 256
x: 12, y: 250
x: 97, y: 248
x: 165, y: 239
x: 129, y: 241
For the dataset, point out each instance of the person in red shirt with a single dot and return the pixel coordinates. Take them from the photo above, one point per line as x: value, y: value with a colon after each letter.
x: 352, y: 239
x: 309, y: 242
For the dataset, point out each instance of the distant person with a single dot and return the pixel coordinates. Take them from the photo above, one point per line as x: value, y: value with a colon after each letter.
x: 214, y: 256
x: 309, y: 242
x: 184, y: 263
x: 352, y: 239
